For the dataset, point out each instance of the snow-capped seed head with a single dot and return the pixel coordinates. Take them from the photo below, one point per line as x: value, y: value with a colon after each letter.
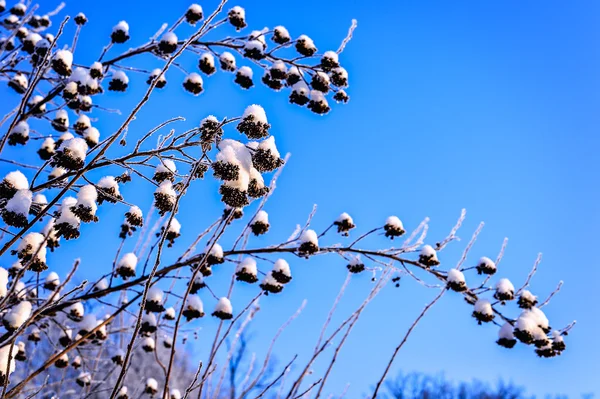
x: 119, y: 81
x: 305, y: 46
x: 52, y: 281
x: 18, y: 9
x: 71, y: 154
x: 270, y: 284
x: 483, y: 311
x: 13, y: 182
x: 108, y: 190
x: 148, y: 344
x: 428, y: 256
x: 207, y: 63
x: 237, y: 17
x: 174, y: 394
x: 254, y: 122
x: 193, y: 14
x: 486, y: 266
x: 80, y: 19
x: 527, y: 300
x: 538, y: 316
x: 91, y: 135
x: 120, y: 33
x: 169, y: 313
x: 62, y: 62
x: 17, y: 316
x: 168, y: 43
x: 17, y: 208
x: 318, y: 103
x: 3, y: 282
x: 19, y: 83
x: 193, y: 83
x: 260, y: 223
x: 165, y: 197
x: 75, y: 311
x: 281, y: 272
x: 505, y: 291
x: 193, y: 308
x: 329, y: 60
x: 32, y: 250
x: 227, y: 61
x: 165, y: 170
x: 281, y: 35
x: 82, y: 123
x: 254, y: 49
x: 355, y: 264
x: 151, y: 386
x: 223, y: 310
x: 344, y: 223
x: 506, y: 336
x: 7, y: 368
x: 309, y: 242
x: 456, y: 280
x: 127, y: 264
x: 247, y: 271
x: 154, y: 76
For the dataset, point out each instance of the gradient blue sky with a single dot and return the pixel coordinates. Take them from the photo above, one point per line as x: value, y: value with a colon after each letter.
x: 487, y: 105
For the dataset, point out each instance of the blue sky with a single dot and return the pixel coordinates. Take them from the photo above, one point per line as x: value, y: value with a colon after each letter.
x: 490, y: 106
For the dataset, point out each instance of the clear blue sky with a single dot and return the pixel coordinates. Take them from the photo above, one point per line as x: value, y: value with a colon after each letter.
x: 491, y: 106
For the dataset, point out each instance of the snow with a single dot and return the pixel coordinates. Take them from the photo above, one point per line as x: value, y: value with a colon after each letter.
x: 121, y: 26
x: 166, y: 165
x: 537, y: 316
x: 66, y: 214
x: 33, y: 38
x: 282, y: 267
x: 269, y: 144
x: 261, y: 217
x: 155, y: 294
x: 57, y: 172
x: 254, y: 45
x: 306, y: 41
x: 556, y: 336
x: 174, y: 227
x: 169, y: 38
x: 224, y: 306
x: 526, y: 323
x: 175, y: 394
x: 152, y: 384
x: 170, y: 312
x: 248, y: 265
x: 309, y: 236
x: 245, y: 71
x: 109, y: 182
x: 20, y: 203
x: 135, y: 210
x: 97, y: 66
x: 317, y: 96
x: 48, y: 144
x: 63, y: 115
x: 92, y: 135
x: 88, y: 323
x: 17, y: 180
x: 52, y: 278
x: 456, y: 276
x: 75, y: 148
x: 4, y: 355
x: 85, y: 378
x: 504, y: 286
x: 128, y: 261
x: 282, y: 32
x: 150, y: 319
x: 148, y: 342
x: 209, y: 59
x: 487, y: 262
x: 83, y: 121
x: 238, y: 11
x: 36, y: 241
x: 484, y: 307
x: 195, y: 8
x: 193, y: 302
x: 257, y: 112
x: 344, y: 217
x: 40, y: 199
x: 65, y: 56
x: 101, y: 285
x: 428, y: 251
x: 166, y: 188
x: 216, y: 251
x: 120, y: 76
x: 18, y: 314
x: 506, y: 331
x: 20, y: 80
x: 3, y: 282
x: 76, y: 309
x: 194, y: 78
x: 21, y: 128
x: 227, y: 58
x: 331, y: 55
x: 528, y: 296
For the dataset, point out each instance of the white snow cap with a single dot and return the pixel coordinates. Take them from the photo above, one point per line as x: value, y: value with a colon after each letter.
x: 149, y: 318
x: 151, y: 383
x: 193, y: 302
x: 155, y: 294
x: 148, y: 342
x: 269, y: 144
x: 528, y: 296
x: 195, y: 8
x: 53, y: 278
x: 506, y: 331
x: 56, y: 172
x: 166, y: 165
x: 174, y: 226
x: 281, y: 31
x: 76, y: 309
x: 17, y: 180
x: 557, y: 336
x: 5, y: 368
x: 487, y: 262
x: 169, y: 37
x: 87, y: 196
x: 21, y: 128
x: 101, y: 285
x: 308, y: 42
x: 216, y: 251
x: 77, y: 147
x: 504, y: 286
x: 254, y: 45
x: 170, y: 312
x: 194, y: 78
x: 536, y: 316
x: 239, y: 11
x: 48, y: 144
x: 261, y: 217
x: 120, y: 76
x: 208, y: 58
x: 66, y: 214
x: 309, y: 236
x: 36, y: 241
x: 175, y: 394
x: 128, y: 261
x: 224, y: 306
x: 257, y: 111
x: 248, y: 265
x: 344, y: 217
x: 65, y: 56
x: 135, y: 210
x: 246, y: 71
x: 91, y: 134
x: 456, y: 276
x: 428, y: 251
x: 332, y: 55
x: 3, y: 282
x: 18, y: 314
x: 282, y: 267
x: 121, y: 26
x: 108, y: 182
x: 20, y: 202
x: 88, y: 323
x: 484, y: 307
x: 227, y: 58
x: 166, y: 187
x: 83, y: 120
